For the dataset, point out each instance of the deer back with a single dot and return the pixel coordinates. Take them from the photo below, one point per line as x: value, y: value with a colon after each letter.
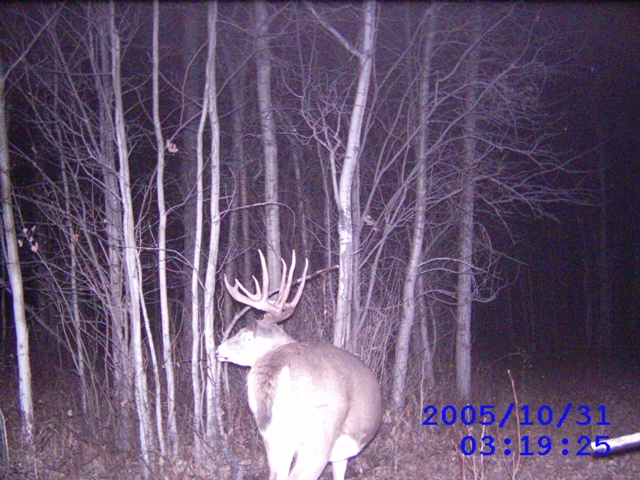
x: 311, y: 400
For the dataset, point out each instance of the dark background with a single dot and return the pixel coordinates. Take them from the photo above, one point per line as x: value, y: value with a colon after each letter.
x: 602, y: 95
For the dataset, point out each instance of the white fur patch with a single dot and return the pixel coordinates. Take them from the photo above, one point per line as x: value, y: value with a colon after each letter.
x: 345, y: 447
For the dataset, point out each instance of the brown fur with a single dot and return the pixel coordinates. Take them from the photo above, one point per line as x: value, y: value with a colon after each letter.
x: 312, y: 400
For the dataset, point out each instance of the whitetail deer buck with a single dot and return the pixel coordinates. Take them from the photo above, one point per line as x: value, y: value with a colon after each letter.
x: 313, y: 400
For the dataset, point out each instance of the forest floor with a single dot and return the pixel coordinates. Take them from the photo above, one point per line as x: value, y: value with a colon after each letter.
x: 549, y: 447
x: 404, y: 448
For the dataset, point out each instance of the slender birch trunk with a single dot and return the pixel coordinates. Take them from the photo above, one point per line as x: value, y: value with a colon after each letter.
x: 343, y: 315
x: 346, y: 285
x: 167, y: 358
x: 15, y: 280
x: 196, y: 328
x: 466, y: 225
x: 211, y: 93
x: 194, y: 73
x: 269, y: 145
x: 130, y: 255
x: 119, y: 332
x: 419, y: 222
x: 302, y: 206
x: 328, y: 301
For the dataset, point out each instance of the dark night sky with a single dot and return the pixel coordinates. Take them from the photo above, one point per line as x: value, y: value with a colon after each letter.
x: 603, y: 86
x: 611, y: 101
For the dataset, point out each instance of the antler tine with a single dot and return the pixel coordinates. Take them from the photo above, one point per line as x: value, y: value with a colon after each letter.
x: 245, y: 291
x: 258, y: 300
x: 265, y: 279
x: 278, y: 309
x: 292, y: 304
x: 284, y: 309
x: 285, y: 282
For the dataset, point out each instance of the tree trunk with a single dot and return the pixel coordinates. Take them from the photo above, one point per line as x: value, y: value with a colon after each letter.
x: 417, y: 240
x: 15, y: 280
x: 194, y: 73
x: 302, y: 204
x: 356, y: 221
x: 328, y: 302
x: 212, y: 397
x: 269, y: 145
x: 342, y: 324
x: 119, y: 332
x: 467, y: 205
x: 130, y: 255
x: 246, y: 231
x: 167, y: 357
x: 238, y: 99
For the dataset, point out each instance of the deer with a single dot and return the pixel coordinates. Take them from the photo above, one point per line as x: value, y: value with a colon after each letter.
x: 313, y: 401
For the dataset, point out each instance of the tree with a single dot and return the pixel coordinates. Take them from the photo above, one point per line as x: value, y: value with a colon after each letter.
x: 416, y: 135
x: 417, y: 240
x: 12, y: 257
x: 467, y: 214
x: 15, y: 277
x: 344, y: 195
x: 167, y: 355
x: 269, y: 144
x: 192, y: 64
x: 210, y: 101
x: 133, y: 278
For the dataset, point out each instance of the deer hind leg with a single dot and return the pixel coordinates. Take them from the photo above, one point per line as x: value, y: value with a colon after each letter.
x: 314, y: 449
x: 279, y: 457
x: 310, y: 462
x: 339, y: 469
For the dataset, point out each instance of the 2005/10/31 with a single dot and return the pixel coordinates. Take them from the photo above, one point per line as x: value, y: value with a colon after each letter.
x: 529, y: 447
x: 486, y: 415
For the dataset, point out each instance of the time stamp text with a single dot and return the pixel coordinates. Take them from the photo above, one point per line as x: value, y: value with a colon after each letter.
x: 525, y: 445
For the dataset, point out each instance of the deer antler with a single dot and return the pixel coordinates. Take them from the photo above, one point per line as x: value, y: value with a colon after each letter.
x: 275, y: 310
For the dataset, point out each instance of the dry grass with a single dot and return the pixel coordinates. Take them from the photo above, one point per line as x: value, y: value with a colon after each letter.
x: 73, y: 447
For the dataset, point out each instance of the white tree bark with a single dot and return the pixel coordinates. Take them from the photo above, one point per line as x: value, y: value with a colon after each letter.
x: 465, y: 293
x: 167, y: 358
x: 196, y: 381
x: 467, y: 221
x: 193, y: 87
x: 130, y: 254
x: 301, y: 197
x: 417, y: 240
x: 13, y: 260
x: 364, y: 53
x: 15, y: 280
x: 196, y: 367
x: 119, y: 332
x: 269, y: 145
x: 211, y: 94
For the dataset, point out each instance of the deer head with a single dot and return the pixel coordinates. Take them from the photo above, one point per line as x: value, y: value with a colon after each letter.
x: 309, y: 399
